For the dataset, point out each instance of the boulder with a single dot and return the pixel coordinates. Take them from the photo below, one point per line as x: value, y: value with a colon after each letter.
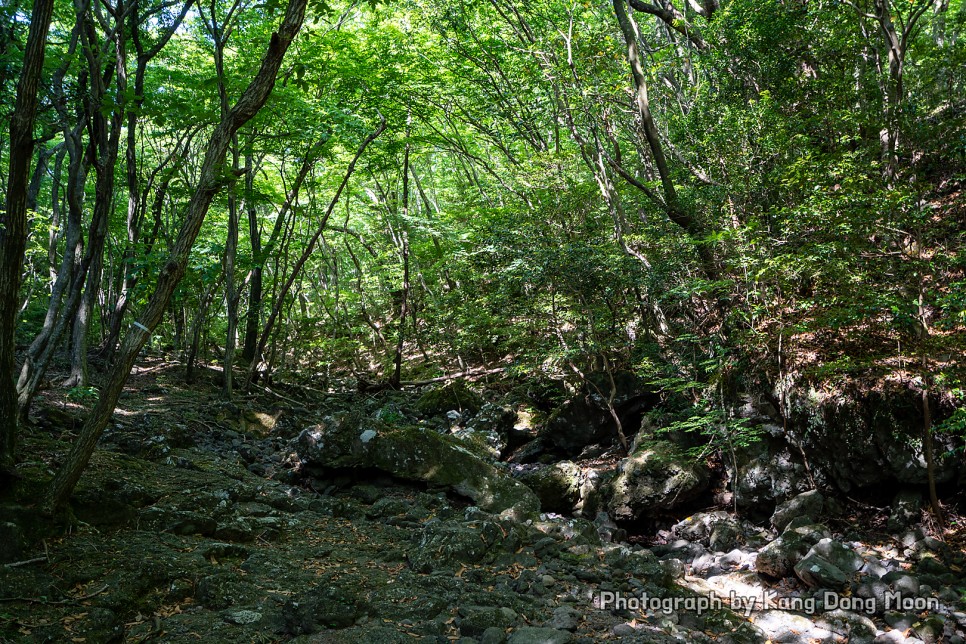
x: 474, y: 620
x: 488, y: 431
x: 717, y: 530
x: 656, y: 477
x: 557, y: 486
x: 856, y: 629
x: 446, y: 545
x: 577, y: 423
x: 839, y: 554
x: 807, y: 504
x: 767, y: 472
x: 594, y: 490
x: 906, y: 508
x: 586, y: 419
x: 779, y: 557
x: 818, y: 572
x: 859, y: 439
x: 414, y: 454
x: 574, y: 531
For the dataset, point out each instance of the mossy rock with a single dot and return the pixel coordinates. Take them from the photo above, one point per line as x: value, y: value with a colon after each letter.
x: 455, y: 395
x: 418, y: 455
x: 655, y: 477
x: 557, y: 486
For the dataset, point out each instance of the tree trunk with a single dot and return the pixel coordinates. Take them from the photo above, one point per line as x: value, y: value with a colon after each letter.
x: 254, y: 313
x: 210, y: 183
x: 675, y: 211
x: 231, y: 296
x: 404, y: 303
x: 135, y: 204
x: 13, y: 224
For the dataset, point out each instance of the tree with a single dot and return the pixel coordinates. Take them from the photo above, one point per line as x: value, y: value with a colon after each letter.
x: 211, y: 181
x: 13, y: 225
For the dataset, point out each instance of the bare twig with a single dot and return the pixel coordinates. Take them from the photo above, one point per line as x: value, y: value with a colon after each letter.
x: 455, y: 376
x: 26, y: 562
x: 45, y: 602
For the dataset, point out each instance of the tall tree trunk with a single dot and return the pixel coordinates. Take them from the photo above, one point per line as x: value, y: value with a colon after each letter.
x: 231, y: 294
x: 13, y: 224
x: 395, y: 380
x: 69, y: 286
x: 675, y: 211
x: 210, y: 183
x: 135, y: 203
x: 642, y: 102
x: 220, y: 32
x: 253, y: 316
x: 108, y: 143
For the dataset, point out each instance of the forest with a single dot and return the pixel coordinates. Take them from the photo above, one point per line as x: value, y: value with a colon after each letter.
x: 666, y: 292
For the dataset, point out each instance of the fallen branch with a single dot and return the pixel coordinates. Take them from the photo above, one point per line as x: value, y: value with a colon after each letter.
x: 455, y: 376
x: 275, y: 393
x: 71, y: 600
x: 26, y: 562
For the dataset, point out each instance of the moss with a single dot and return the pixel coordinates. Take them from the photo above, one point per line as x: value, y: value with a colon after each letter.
x: 557, y: 486
x: 413, y: 453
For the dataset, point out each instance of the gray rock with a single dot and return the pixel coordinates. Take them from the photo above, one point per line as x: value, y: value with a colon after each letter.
x: 564, y: 619
x: 818, y: 572
x: 873, y: 589
x: 451, y: 396
x: 575, y: 531
x: 839, y: 554
x: 642, y: 564
x: 726, y: 536
x: 896, y: 637
x: 655, y: 478
x: 779, y: 557
x: 790, y: 628
x: 863, y: 439
x: 414, y: 454
x: 873, y: 568
x: 699, y: 526
x: 852, y: 627
x: 900, y: 621
x: 330, y: 604
x: 243, y: 617
x: 594, y: 492
x: 902, y: 583
x: 586, y: 419
x: 444, y: 545
x: 906, y: 507
x: 487, y: 433
x: 930, y: 565
x: 607, y: 530
x: 930, y: 629
x: 624, y: 630
x: 557, y: 485
x: 767, y: 472
x: 493, y: 635
x: 807, y: 504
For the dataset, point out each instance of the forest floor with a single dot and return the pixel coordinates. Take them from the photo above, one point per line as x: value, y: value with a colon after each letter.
x: 189, y: 526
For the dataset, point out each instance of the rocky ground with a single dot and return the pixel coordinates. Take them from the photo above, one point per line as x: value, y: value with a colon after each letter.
x: 284, y: 518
